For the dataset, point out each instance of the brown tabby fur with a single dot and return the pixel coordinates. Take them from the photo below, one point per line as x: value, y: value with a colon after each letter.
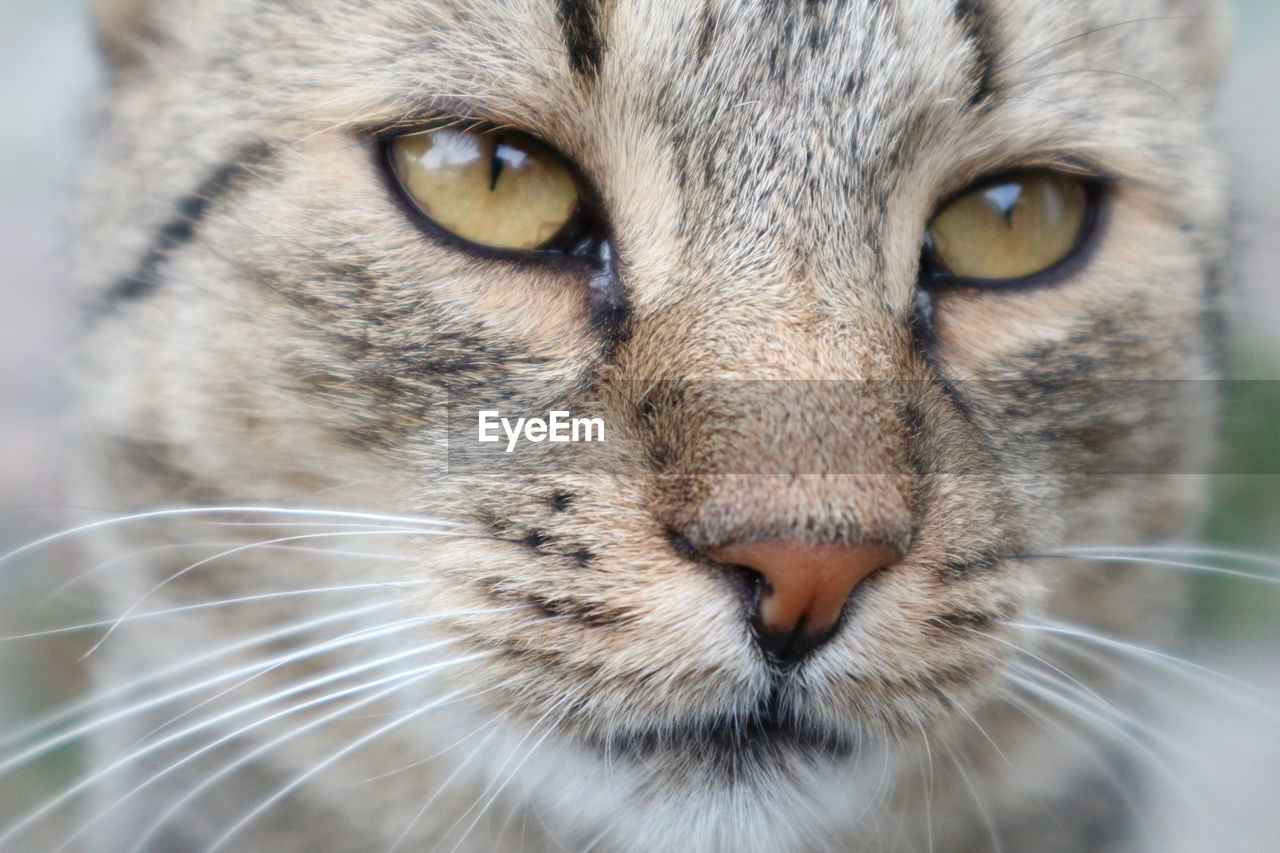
x: 269, y: 327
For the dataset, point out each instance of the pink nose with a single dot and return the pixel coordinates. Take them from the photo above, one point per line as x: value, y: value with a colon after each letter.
x: 807, y: 585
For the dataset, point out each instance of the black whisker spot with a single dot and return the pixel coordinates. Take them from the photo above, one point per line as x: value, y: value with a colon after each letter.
x: 536, y: 539
x: 589, y: 613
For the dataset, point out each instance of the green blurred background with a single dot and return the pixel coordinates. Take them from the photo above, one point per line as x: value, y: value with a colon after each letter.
x: 46, y: 81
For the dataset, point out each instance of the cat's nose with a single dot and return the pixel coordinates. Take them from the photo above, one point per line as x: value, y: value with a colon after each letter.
x: 805, y: 587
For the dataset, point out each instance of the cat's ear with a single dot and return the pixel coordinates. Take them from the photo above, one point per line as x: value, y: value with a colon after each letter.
x: 1204, y: 32
x: 125, y: 29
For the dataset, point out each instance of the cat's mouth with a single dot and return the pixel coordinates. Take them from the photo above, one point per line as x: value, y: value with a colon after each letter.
x: 730, y: 740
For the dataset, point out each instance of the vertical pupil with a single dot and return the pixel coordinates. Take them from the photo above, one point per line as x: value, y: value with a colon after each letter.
x: 496, y: 162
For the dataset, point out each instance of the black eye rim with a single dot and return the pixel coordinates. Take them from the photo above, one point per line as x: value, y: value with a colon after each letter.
x: 935, y: 278
x: 583, y: 243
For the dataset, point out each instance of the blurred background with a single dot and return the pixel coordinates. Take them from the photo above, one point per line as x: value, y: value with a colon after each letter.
x: 47, y: 77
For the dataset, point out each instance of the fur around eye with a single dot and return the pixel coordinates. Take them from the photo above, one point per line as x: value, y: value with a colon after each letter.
x: 1010, y: 228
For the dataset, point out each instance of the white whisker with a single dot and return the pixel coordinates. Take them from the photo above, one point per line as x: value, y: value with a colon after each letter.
x: 268, y: 546
x: 1172, y: 663
x: 1038, y: 659
x: 1118, y: 720
x: 1183, y: 551
x: 351, y: 638
x: 361, y: 635
x: 1120, y: 728
x: 985, y: 735
x: 979, y: 802
x: 1084, y: 744
x: 298, y: 781
x: 225, y: 602
x: 498, y: 773
x: 70, y: 711
x: 1112, y: 557
x: 404, y: 768
x: 135, y: 754
x: 440, y: 789
x: 216, y: 510
x: 398, y: 682
x: 927, y: 782
x: 237, y: 550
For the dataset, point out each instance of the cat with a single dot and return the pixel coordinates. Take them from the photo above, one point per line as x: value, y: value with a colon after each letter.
x: 878, y: 305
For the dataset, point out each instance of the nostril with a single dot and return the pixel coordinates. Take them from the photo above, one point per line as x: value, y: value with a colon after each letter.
x: 751, y: 586
x: 682, y: 546
x: 788, y: 647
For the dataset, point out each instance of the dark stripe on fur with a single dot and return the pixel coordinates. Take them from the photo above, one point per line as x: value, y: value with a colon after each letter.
x: 706, y: 30
x: 580, y: 21
x: 924, y: 337
x: 976, y: 22
x: 589, y: 613
x: 183, y: 226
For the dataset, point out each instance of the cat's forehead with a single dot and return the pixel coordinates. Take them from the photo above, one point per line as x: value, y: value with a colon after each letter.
x: 687, y: 62
x: 858, y: 83
x: 711, y: 53
x: 871, y: 67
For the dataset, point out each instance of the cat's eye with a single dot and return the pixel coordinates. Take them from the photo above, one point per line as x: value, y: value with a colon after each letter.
x: 497, y: 189
x: 1009, y: 228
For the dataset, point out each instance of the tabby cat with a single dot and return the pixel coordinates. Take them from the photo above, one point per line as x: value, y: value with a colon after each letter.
x: 870, y: 310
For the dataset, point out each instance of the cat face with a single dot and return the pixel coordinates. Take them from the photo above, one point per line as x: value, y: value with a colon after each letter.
x: 747, y: 311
